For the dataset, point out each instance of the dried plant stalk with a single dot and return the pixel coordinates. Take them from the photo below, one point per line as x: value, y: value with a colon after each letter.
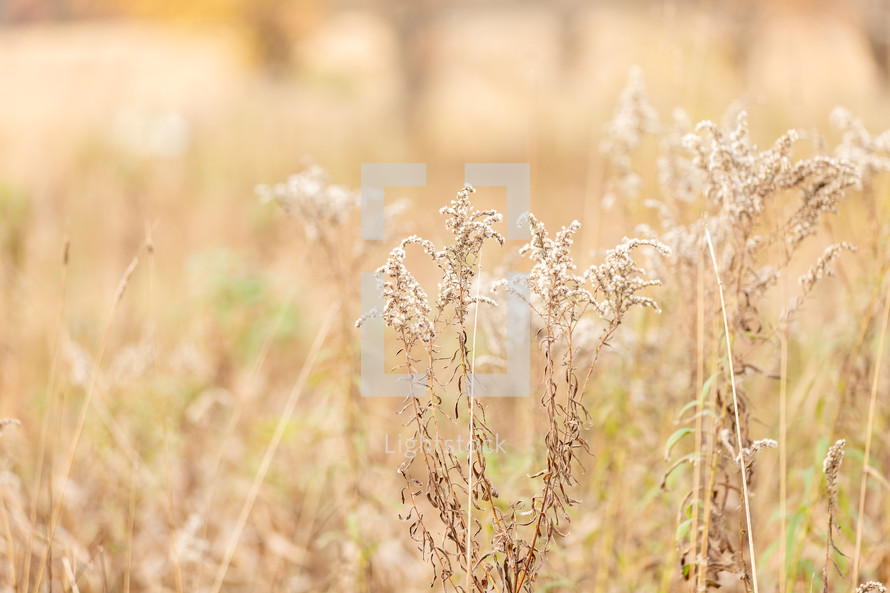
x: 831, y: 467
x: 512, y: 558
x: 743, y: 465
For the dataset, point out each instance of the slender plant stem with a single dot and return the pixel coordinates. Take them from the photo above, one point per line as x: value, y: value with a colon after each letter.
x: 418, y: 419
x: 7, y: 532
x: 81, y: 421
x: 551, y: 399
x: 272, y: 448
x: 783, y: 450
x: 171, y: 514
x: 472, y: 444
x: 50, y: 398
x: 131, y: 520
x: 869, y: 430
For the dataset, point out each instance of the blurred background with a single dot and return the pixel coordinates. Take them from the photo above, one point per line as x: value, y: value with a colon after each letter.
x: 122, y: 119
x: 125, y: 112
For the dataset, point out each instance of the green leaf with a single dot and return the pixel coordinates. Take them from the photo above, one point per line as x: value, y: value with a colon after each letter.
x: 689, y: 457
x: 685, y: 409
x: 705, y: 390
x: 673, y: 439
x: 693, y: 504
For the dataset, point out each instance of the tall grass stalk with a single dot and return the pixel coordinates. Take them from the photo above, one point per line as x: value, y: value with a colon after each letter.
x: 171, y: 513
x: 84, y: 410
x: 472, y: 400
x: 50, y: 400
x: 240, y: 406
x: 869, y: 431
x: 272, y: 447
x: 7, y: 533
x: 783, y: 445
x: 131, y: 523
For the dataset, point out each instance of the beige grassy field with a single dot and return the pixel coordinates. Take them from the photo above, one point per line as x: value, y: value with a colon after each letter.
x: 180, y: 356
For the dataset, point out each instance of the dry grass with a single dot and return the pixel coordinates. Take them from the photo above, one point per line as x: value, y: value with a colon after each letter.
x: 198, y: 426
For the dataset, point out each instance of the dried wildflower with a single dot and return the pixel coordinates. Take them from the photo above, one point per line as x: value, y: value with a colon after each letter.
x: 470, y: 228
x: 309, y: 198
x: 406, y: 305
x: 191, y: 548
x: 831, y: 467
x: 447, y: 485
x: 444, y: 484
x: 869, y: 155
x: 819, y: 270
x: 560, y: 297
x: 553, y: 280
x: 738, y: 178
x: 677, y: 176
x: 633, y: 118
x: 752, y: 450
x: 618, y: 279
x: 822, y: 267
x: 822, y: 182
x: 563, y: 294
x: 741, y: 180
x: 8, y: 422
x: 742, y: 184
x: 871, y: 587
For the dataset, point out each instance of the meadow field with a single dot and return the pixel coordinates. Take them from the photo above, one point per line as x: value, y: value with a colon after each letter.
x: 181, y: 260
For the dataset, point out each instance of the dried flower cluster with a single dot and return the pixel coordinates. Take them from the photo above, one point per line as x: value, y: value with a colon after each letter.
x: 869, y: 155
x: 676, y: 172
x: 553, y: 279
x: 633, y: 119
x: 750, y: 452
x: 611, y: 288
x: 309, y: 198
x: 444, y: 480
x: 760, y: 207
x: 822, y: 267
x: 8, y: 422
x: 560, y: 297
x: 871, y: 587
x: 742, y: 190
x: 470, y: 228
x: 831, y: 467
x: 519, y: 538
x: 618, y: 280
x: 407, y: 306
x: 741, y: 181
